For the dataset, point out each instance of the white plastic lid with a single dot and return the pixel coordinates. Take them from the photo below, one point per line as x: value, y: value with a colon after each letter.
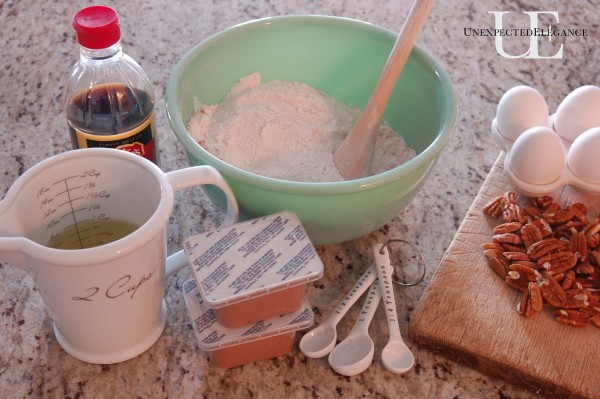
x: 211, y: 335
x: 252, y: 258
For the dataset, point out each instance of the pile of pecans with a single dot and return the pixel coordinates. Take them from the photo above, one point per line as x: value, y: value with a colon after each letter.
x: 549, y: 253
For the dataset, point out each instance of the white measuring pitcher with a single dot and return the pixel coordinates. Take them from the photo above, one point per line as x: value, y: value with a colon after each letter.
x: 106, y: 302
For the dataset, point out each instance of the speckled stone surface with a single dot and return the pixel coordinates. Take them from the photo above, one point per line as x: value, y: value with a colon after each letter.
x: 38, y: 48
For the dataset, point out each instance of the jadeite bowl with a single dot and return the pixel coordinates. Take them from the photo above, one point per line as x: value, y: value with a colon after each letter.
x: 343, y: 58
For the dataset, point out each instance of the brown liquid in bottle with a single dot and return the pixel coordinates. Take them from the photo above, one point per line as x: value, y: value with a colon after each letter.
x: 111, y: 109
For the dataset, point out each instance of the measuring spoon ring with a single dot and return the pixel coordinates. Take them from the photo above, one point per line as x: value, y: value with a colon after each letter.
x: 321, y: 340
x: 355, y: 353
x: 396, y: 356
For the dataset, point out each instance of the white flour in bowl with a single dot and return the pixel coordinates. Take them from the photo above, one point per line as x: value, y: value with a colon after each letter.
x: 286, y: 130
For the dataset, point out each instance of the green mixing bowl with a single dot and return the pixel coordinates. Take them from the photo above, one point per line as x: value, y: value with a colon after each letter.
x: 343, y: 58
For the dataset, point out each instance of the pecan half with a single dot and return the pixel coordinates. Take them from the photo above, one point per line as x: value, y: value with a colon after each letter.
x: 594, y: 241
x: 507, y: 238
x: 530, y: 233
x: 552, y: 207
x: 492, y: 245
x: 592, y: 228
x: 513, y: 213
x: 514, y: 247
x: 493, y: 252
x: 576, y: 298
x: 572, y: 317
x: 579, y: 211
x: 529, y: 264
x: 525, y: 272
x: 499, y: 265
x: 579, y: 246
x: 585, y: 268
x: 568, y: 280
x: 510, y: 197
x: 494, y: 207
x: 509, y: 227
x: 524, y: 306
x: 516, y: 256
x: 544, y: 247
x: 558, y: 216
x: 587, y: 282
x: 558, y: 262
x: 552, y: 292
x: 515, y: 280
x: 535, y: 297
x: 543, y: 227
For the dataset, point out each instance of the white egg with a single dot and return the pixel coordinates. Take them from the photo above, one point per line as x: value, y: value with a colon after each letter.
x: 521, y: 108
x: 537, y: 156
x: 584, y: 156
x: 578, y: 112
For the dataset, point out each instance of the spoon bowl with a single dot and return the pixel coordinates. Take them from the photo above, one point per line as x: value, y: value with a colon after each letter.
x: 321, y: 340
x: 355, y: 353
x: 397, y: 357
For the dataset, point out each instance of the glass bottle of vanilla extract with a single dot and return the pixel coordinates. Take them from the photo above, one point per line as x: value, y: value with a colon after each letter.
x: 109, y: 101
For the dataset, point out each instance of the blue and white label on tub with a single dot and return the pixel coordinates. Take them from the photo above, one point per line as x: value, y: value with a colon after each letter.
x: 252, y: 258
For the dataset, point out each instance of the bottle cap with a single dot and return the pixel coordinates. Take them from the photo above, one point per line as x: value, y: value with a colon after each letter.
x: 97, y: 27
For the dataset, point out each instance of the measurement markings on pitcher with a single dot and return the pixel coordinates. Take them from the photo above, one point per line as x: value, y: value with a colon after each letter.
x: 72, y: 191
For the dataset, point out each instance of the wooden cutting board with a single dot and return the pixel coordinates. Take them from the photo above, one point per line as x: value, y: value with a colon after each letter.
x: 468, y: 313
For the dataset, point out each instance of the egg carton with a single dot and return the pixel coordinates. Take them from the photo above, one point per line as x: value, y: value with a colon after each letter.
x: 545, y: 152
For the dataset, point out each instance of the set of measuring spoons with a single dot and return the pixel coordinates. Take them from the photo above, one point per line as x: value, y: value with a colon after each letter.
x: 354, y: 354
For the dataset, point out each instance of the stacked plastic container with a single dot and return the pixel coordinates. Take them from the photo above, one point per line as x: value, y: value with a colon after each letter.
x: 247, y: 300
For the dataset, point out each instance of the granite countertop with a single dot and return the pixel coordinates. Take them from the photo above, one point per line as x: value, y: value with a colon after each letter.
x: 39, y: 48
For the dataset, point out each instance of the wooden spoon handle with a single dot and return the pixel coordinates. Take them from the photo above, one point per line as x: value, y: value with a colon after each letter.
x: 398, y: 57
x: 353, y: 158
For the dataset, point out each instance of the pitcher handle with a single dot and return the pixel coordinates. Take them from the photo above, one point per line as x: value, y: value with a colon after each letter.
x: 194, y: 176
x: 174, y: 263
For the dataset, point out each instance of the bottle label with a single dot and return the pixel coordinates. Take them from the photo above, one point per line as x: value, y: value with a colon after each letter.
x: 140, y: 141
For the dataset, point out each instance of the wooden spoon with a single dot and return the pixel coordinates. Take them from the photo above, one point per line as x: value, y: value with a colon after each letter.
x: 354, y: 156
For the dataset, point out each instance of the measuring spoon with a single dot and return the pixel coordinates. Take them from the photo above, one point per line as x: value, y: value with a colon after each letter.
x: 355, y: 353
x: 396, y: 356
x: 321, y: 340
